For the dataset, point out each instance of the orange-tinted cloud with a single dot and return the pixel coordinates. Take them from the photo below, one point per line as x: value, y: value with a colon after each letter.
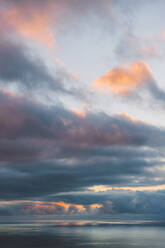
x: 129, y: 117
x: 51, y: 207
x: 60, y: 207
x: 103, y: 188
x: 80, y: 113
x: 68, y: 205
x: 95, y: 206
x: 124, y: 80
x: 31, y: 22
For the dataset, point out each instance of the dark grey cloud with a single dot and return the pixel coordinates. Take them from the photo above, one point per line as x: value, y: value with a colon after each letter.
x: 18, y: 66
x: 27, y: 72
x: 44, y: 179
x: 45, y: 150
x: 26, y: 180
x: 157, y: 93
x: 62, y: 131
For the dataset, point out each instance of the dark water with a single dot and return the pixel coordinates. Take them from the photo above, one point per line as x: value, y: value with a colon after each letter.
x: 84, y: 235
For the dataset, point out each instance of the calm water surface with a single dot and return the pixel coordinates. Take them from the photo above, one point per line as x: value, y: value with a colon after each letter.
x: 61, y: 235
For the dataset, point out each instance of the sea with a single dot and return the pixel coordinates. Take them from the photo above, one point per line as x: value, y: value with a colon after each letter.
x: 82, y: 234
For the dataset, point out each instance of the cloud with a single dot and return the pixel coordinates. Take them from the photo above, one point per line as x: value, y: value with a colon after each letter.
x: 126, y: 115
x: 45, y: 208
x: 131, y: 205
x: 144, y: 204
x: 125, y: 80
x: 103, y: 188
x: 26, y: 72
x: 40, y: 179
x: 48, y: 150
x: 157, y: 93
x: 36, y: 120
x: 39, y: 20
x: 80, y: 113
x: 31, y: 21
x: 21, y: 68
x: 51, y: 155
x: 132, y: 47
x: 29, y: 207
x: 18, y: 66
x: 128, y: 81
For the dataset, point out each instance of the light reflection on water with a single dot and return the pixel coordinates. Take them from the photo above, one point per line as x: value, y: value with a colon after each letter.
x: 61, y: 235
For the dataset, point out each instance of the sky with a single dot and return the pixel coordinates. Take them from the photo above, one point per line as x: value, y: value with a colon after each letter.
x: 82, y: 104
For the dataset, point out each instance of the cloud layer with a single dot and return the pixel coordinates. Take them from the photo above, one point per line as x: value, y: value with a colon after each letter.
x: 56, y: 159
